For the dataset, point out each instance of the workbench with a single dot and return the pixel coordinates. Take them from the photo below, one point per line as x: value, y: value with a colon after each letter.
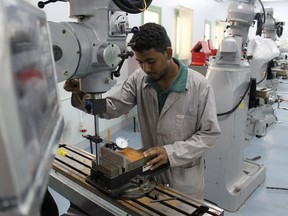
x: 72, y: 166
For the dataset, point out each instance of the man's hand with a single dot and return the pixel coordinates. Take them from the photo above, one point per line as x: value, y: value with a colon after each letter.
x: 73, y: 86
x: 159, y: 156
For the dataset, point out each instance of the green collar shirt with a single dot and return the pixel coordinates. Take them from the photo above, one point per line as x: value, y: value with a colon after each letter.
x: 178, y: 84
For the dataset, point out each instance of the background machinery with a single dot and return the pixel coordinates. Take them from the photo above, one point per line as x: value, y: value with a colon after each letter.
x: 262, y: 52
x: 229, y: 178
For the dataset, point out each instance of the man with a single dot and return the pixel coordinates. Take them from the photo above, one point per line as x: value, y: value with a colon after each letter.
x: 176, y: 110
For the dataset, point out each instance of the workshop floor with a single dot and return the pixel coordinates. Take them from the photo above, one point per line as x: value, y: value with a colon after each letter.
x: 273, y: 149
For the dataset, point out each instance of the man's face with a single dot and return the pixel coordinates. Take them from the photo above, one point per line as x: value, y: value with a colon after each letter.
x: 153, y: 63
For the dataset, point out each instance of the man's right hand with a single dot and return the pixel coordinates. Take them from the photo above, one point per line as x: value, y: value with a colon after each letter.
x: 72, y: 85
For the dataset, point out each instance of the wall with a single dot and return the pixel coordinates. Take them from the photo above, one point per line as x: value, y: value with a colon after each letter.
x: 58, y: 12
x: 203, y: 10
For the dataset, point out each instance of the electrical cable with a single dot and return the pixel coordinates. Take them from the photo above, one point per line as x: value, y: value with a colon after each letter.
x: 133, y: 6
x: 262, y: 78
x: 259, y: 24
x: 277, y: 188
x: 264, y: 13
x: 144, y: 6
x: 269, y: 65
x: 235, y: 107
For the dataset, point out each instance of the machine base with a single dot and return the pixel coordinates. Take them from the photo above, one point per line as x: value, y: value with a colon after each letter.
x: 264, y: 116
x: 232, y: 195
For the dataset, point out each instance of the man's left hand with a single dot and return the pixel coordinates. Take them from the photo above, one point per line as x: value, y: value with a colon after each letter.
x: 159, y: 156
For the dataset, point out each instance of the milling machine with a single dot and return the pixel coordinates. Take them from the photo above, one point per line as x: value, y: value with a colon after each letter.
x: 31, y: 121
x: 229, y: 179
x: 262, y: 52
x: 93, y: 50
x: 280, y: 66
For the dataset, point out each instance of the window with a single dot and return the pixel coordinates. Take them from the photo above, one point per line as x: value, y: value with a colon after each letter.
x: 183, y: 37
x: 207, y: 30
x: 152, y: 14
x: 219, y: 34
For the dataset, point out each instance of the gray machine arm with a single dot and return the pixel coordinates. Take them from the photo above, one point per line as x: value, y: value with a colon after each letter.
x: 93, y: 49
x: 240, y: 16
x: 94, y: 46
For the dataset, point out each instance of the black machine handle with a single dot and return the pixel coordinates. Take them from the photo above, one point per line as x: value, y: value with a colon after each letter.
x: 125, y: 5
x: 42, y: 4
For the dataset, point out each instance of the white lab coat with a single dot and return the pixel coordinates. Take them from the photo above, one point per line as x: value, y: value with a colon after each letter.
x: 186, y: 127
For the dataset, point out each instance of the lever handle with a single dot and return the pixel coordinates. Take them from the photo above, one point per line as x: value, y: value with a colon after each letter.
x: 42, y: 4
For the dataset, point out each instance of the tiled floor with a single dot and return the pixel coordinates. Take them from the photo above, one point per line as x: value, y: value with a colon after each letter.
x: 273, y: 149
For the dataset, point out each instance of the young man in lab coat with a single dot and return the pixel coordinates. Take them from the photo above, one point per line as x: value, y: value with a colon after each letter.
x: 176, y: 110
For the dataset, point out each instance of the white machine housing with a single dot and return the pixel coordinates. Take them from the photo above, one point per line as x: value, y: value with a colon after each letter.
x: 229, y: 179
x: 262, y: 51
x: 30, y: 119
x: 241, y: 15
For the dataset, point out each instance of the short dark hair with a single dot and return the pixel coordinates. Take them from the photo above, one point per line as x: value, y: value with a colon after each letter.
x: 150, y: 35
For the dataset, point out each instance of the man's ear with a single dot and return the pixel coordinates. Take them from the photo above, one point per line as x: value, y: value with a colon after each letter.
x: 169, y: 52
